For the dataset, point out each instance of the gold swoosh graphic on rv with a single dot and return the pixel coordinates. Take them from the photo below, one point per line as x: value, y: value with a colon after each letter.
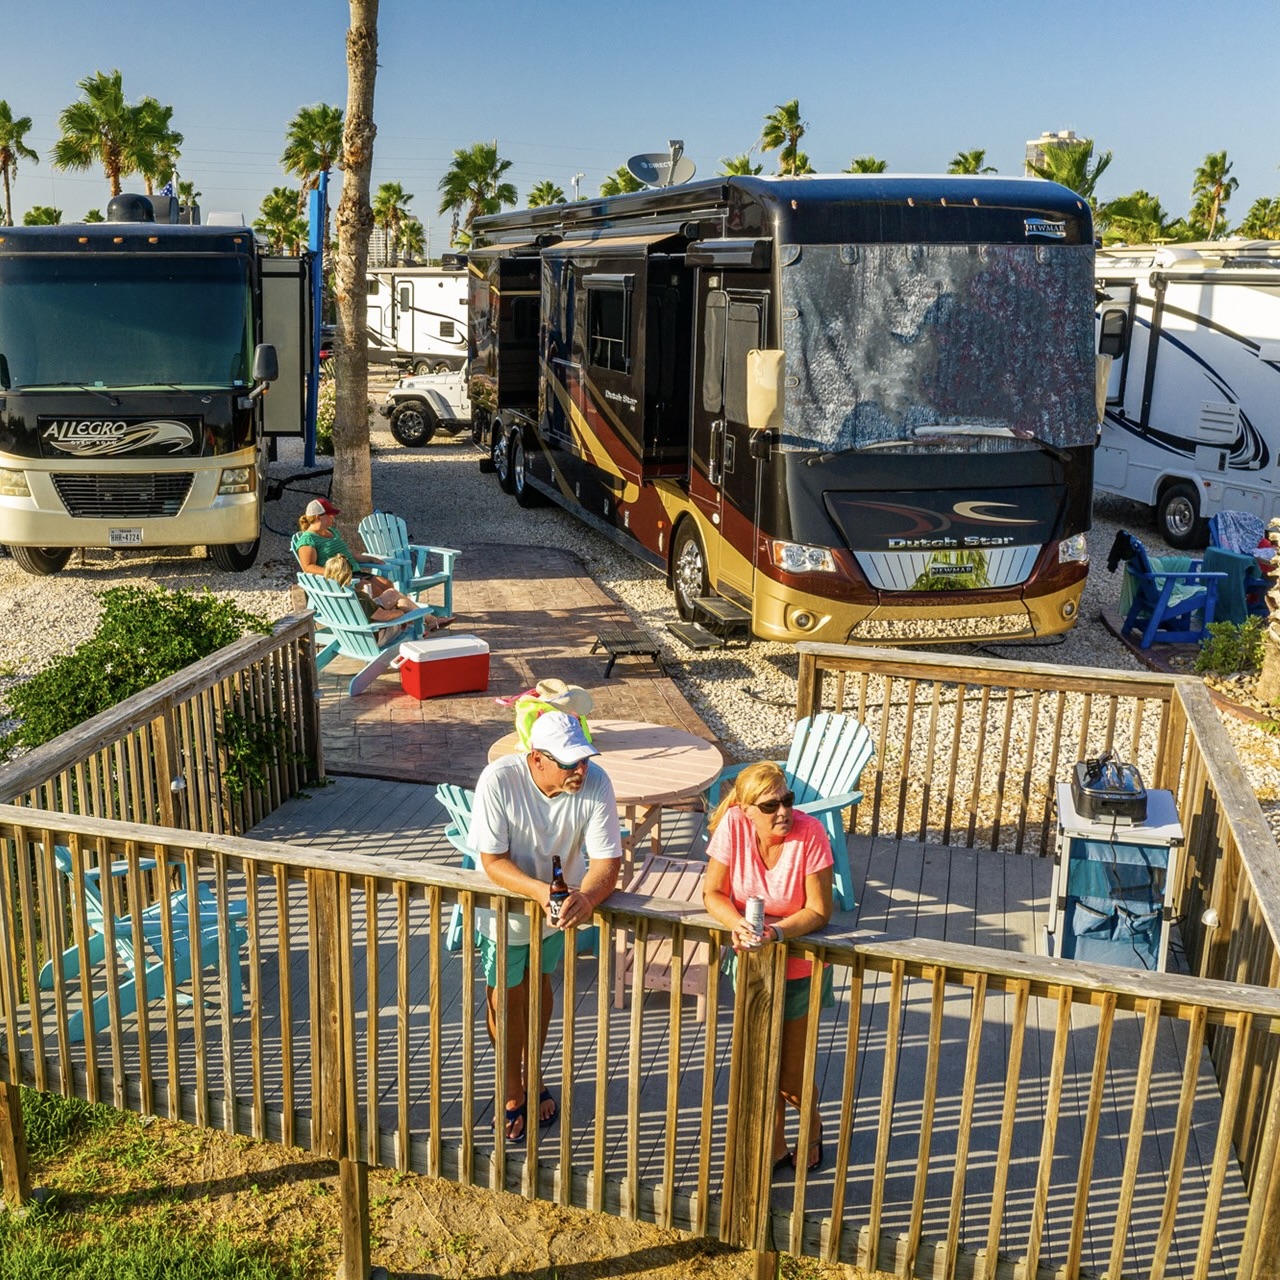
x: 588, y: 441
x: 973, y: 511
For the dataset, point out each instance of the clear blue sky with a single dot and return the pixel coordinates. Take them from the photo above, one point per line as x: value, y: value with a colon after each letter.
x: 568, y: 89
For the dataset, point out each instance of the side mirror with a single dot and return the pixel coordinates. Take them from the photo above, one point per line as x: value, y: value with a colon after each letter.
x: 266, y: 363
x: 765, y: 370
x: 1113, y: 333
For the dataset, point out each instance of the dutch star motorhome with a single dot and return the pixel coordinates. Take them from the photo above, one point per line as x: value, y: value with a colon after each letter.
x: 1192, y: 424
x: 862, y: 408
x: 417, y: 317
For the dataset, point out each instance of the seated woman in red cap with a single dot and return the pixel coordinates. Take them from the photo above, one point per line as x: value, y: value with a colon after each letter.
x: 317, y: 541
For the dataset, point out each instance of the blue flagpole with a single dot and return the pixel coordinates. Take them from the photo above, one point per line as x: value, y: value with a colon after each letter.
x: 315, y: 246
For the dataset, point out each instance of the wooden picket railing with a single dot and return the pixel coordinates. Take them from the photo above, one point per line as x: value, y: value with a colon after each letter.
x: 362, y: 1039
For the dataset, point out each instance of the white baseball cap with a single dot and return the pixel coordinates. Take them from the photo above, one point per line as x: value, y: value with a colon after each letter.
x: 561, y: 737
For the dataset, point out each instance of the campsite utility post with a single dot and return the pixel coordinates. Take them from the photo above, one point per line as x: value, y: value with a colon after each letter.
x: 315, y: 244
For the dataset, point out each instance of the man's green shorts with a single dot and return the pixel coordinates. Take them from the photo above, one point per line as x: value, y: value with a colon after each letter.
x: 518, y: 958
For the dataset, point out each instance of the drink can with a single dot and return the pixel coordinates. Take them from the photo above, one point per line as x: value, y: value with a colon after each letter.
x: 754, y: 914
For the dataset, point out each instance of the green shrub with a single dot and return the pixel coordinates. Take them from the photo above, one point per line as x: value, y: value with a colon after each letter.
x: 326, y: 412
x: 1232, y: 647
x: 145, y: 634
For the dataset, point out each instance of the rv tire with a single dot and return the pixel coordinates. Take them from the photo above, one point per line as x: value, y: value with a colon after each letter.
x: 526, y: 494
x: 1178, y: 517
x: 41, y: 561
x: 502, y: 458
x: 421, y: 368
x: 235, y: 557
x: 688, y: 569
x: 413, y: 423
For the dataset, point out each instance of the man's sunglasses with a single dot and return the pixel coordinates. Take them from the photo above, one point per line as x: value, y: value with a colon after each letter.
x: 787, y: 801
x: 567, y: 768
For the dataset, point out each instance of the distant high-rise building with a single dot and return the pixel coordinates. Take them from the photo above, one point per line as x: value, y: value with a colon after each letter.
x: 1036, y: 148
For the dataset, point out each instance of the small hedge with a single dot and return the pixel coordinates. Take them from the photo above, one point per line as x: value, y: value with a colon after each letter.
x: 146, y: 634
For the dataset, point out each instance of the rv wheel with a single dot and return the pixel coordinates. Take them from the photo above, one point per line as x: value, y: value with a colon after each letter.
x: 688, y: 570
x: 41, y: 561
x: 502, y: 459
x: 1178, y: 517
x: 526, y: 495
x: 421, y: 368
x: 413, y: 423
x: 234, y: 557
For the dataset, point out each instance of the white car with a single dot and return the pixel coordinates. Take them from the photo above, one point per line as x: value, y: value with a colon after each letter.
x: 419, y: 407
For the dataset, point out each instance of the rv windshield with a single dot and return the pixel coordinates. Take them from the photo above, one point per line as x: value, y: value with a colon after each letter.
x: 976, y: 348
x: 128, y: 322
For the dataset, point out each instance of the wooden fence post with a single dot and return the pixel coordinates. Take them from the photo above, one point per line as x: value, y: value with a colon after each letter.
x: 756, y: 1065
x: 13, y: 1148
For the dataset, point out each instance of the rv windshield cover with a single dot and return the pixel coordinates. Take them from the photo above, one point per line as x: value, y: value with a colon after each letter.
x: 884, y: 342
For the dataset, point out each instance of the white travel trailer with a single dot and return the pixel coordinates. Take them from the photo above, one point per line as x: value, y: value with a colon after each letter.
x: 1192, y: 424
x: 418, y: 317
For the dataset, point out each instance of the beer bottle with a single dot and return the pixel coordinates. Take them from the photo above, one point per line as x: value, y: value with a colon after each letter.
x: 559, y: 890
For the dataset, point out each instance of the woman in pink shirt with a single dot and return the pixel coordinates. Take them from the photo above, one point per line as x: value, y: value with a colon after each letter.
x: 762, y: 848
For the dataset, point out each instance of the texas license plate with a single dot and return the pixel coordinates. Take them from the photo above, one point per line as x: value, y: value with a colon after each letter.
x: 124, y: 537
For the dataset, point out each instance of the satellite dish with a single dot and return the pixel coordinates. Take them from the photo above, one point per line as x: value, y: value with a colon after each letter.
x: 655, y: 169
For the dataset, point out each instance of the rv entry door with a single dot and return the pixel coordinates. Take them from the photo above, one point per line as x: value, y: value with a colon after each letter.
x: 724, y: 482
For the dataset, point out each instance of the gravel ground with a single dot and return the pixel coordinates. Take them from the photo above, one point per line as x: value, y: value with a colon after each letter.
x: 746, y: 695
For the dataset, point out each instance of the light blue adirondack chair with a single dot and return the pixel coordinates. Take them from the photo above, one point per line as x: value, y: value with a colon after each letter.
x: 143, y: 960
x: 828, y: 754
x: 342, y: 629
x: 457, y: 803
x: 388, y: 536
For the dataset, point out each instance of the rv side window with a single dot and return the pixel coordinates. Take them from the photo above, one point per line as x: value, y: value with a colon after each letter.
x: 713, y: 365
x: 1112, y: 333
x: 524, y: 320
x: 372, y: 286
x: 746, y: 332
x: 406, y: 296
x: 609, y: 325
x: 446, y: 329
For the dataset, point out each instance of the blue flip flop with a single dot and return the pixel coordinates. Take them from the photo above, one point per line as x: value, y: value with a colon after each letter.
x: 513, y: 1114
x: 547, y: 1121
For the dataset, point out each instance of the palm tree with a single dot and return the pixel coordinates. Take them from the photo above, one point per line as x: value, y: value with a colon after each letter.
x: 474, y: 182
x: 866, y: 164
x: 390, y: 212
x: 801, y: 163
x: 739, y: 166
x: 546, y: 192
x: 102, y: 128
x: 1262, y: 222
x: 352, y: 476
x: 13, y: 148
x: 42, y: 215
x: 783, y: 129
x: 1137, y: 218
x: 312, y: 146
x: 94, y: 215
x: 278, y: 220
x: 1210, y: 192
x: 620, y: 182
x: 413, y: 239
x: 970, y: 162
x: 1069, y: 164
x: 154, y: 150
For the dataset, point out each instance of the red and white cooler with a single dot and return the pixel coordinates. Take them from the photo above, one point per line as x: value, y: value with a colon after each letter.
x: 439, y: 665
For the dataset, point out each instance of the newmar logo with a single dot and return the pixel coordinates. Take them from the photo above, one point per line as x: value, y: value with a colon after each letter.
x: 99, y: 437
x: 1043, y: 227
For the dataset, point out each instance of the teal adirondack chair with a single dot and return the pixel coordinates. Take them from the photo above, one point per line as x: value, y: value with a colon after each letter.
x: 828, y: 754
x: 143, y: 960
x: 388, y: 536
x: 457, y: 803
x: 342, y: 629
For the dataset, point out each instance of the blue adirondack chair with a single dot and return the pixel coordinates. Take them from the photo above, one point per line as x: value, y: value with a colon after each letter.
x: 388, y: 536
x: 342, y: 629
x: 828, y: 754
x: 1170, y: 599
x: 457, y: 803
x: 1234, y: 537
x: 143, y: 960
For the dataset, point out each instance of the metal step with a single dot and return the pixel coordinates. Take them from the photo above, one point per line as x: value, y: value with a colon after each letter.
x: 728, y: 620
x: 695, y: 636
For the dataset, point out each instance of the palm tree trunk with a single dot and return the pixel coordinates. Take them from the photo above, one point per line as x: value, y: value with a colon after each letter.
x: 8, y: 200
x: 352, y: 478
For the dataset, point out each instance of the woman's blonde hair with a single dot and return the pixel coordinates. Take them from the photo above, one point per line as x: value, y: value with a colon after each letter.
x: 753, y: 782
x: 336, y: 569
x: 305, y: 522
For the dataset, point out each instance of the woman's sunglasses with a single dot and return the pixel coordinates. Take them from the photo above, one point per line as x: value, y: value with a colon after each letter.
x: 787, y: 801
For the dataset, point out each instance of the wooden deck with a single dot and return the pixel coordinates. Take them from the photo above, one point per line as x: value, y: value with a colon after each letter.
x: 904, y: 888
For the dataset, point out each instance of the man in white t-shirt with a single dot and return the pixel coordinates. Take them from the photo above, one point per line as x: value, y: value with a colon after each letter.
x: 527, y: 808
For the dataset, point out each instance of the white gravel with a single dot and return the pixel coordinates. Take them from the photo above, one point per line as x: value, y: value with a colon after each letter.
x: 746, y: 696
